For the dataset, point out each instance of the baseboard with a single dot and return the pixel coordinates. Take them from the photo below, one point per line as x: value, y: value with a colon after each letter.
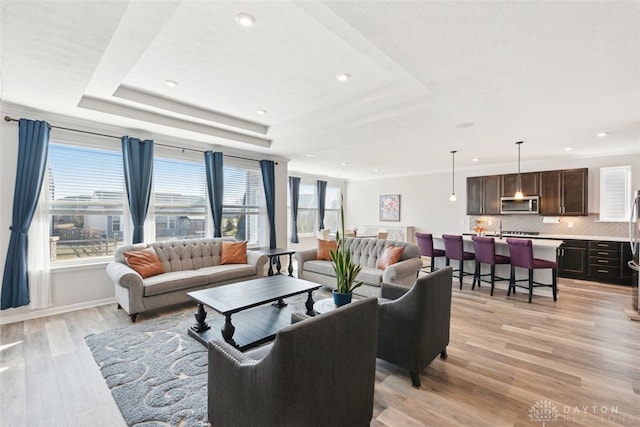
x: 633, y: 314
x: 34, y: 314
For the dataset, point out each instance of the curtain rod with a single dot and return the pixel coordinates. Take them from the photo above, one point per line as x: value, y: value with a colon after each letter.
x: 11, y: 119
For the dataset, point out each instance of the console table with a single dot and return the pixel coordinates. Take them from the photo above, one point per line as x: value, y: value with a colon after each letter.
x: 276, y: 253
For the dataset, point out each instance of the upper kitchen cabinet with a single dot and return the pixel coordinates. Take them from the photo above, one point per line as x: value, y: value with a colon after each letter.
x: 564, y: 192
x: 483, y: 195
x: 530, y: 182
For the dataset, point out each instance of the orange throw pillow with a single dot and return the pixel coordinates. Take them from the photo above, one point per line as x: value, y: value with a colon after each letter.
x: 145, y: 262
x: 323, y: 249
x: 389, y: 256
x: 233, y: 253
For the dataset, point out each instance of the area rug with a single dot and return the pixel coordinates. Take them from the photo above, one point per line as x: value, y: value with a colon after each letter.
x: 156, y: 372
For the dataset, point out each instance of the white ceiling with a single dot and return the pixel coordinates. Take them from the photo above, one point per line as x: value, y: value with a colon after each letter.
x: 553, y: 74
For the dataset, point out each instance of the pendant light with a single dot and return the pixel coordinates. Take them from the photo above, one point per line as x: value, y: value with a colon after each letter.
x: 452, y: 197
x: 519, y: 195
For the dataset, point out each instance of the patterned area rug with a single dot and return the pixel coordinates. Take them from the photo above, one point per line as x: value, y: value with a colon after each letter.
x: 156, y: 372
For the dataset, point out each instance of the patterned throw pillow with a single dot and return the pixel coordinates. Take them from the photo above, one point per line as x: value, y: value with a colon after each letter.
x: 145, y: 262
x: 323, y: 249
x: 233, y: 253
x: 389, y: 256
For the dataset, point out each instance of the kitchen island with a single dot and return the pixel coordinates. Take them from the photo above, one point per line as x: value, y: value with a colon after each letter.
x: 542, y: 248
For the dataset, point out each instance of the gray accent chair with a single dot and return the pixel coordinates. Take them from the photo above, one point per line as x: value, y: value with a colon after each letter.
x: 319, y: 372
x: 413, y: 325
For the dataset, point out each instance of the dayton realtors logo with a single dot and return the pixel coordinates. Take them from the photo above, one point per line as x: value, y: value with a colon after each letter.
x: 543, y: 411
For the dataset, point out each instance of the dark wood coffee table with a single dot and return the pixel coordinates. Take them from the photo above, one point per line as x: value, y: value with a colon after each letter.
x: 257, y: 323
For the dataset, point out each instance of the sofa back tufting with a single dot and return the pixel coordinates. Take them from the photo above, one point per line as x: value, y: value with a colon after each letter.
x: 366, y: 252
x: 181, y: 255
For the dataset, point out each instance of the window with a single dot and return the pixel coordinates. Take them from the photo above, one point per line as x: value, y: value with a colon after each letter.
x: 180, y: 198
x: 615, y: 193
x: 308, y: 218
x: 86, y: 199
x: 307, y: 209
x: 242, y: 211
x: 332, y: 209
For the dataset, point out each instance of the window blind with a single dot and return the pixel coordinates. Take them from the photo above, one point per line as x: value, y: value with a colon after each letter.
x: 615, y: 193
x: 84, y: 180
x: 179, y: 187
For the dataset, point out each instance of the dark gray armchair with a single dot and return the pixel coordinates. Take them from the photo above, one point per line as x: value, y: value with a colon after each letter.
x: 413, y: 323
x: 319, y: 372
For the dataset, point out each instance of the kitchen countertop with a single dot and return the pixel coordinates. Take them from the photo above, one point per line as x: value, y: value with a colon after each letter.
x: 542, y: 248
x: 564, y: 237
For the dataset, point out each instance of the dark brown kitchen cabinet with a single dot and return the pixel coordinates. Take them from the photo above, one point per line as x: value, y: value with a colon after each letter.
x: 483, y: 195
x: 564, y: 192
x: 604, y: 261
x: 573, y: 259
x: 530, y: 182
x: 626, y: 274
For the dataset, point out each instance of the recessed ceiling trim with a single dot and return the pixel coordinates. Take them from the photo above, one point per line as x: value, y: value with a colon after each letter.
x: 148, y: 116
x: 131, y: 94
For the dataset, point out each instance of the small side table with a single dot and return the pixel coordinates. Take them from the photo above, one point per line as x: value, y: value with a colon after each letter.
x: 326, y: 305
x: 276, y: 253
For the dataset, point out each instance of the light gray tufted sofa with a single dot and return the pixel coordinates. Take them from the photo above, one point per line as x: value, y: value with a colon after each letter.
x: 364, y: 252
x: 189, y: 265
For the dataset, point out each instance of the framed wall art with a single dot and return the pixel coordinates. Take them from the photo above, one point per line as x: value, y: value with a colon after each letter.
x: 389, y: 207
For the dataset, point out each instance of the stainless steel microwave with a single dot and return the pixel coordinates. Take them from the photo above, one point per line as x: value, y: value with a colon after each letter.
x: 526, y: 205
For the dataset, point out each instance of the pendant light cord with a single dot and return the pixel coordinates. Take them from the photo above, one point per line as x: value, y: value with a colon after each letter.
x: 453, y: 171
x: 519, y: 183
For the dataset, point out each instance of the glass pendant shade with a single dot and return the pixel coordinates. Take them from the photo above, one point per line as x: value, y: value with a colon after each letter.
x: 518, y: 195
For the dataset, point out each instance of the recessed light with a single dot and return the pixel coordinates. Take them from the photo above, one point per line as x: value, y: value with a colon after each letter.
x: 602, y: 134
x: 568, y: 149
x: 343, y: 77
x: 261, y: 112
x: 475, y: 159
x: 171, y: 83
x: 245, y: 19
x: 311, y: 156
x: 376, y: 170
x: 343, y: 164
x: 464, y: 125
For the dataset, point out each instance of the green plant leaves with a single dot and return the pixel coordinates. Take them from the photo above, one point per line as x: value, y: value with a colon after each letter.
x: 346, y: 271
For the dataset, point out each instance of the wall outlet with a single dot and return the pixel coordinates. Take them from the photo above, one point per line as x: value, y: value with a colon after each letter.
x: 490, y: 222
x: 570, y: 224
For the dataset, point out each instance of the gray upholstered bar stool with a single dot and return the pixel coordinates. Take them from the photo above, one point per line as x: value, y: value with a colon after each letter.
x: 425, y: 243
x: 485, y: 251
x: 454, y: 249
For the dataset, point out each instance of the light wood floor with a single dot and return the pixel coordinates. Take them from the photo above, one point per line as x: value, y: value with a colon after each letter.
x: 580, y: 354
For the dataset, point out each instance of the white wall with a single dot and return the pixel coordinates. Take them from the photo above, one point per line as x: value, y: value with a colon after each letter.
x: 83, y: 286
x: 425, y: 198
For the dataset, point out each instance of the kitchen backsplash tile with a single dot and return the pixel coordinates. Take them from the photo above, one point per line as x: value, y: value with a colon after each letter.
x: 582, y: 225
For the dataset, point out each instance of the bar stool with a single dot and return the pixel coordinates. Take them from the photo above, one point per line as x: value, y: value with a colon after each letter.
x: 454, y: 249
x: 521, y: 251
x: 485, y: 251
x: 425, y: 243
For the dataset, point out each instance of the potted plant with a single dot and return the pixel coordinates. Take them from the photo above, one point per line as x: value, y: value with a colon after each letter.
x: 346, y: 270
